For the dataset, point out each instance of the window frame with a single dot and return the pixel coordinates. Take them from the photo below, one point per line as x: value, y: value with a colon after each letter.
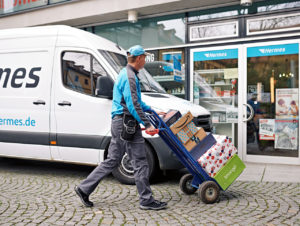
x: 91, y: 72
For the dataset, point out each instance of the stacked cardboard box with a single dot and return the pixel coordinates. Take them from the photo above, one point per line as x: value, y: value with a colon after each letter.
x: 171, y: 117
x: 187, y: 132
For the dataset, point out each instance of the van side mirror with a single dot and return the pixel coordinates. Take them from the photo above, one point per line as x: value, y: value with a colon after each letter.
x: 104, y: 87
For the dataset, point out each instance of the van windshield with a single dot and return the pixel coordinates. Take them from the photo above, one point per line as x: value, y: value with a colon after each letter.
x: 118, y: 61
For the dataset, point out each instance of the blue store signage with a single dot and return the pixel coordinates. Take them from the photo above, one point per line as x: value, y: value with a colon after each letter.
x: 216, y: 55
x: 273, y: 50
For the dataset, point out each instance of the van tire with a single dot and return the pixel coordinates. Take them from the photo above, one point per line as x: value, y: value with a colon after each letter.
x: 124, y: 172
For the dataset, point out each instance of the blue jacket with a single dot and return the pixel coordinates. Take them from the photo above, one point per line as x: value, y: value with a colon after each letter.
x: 127, y: 96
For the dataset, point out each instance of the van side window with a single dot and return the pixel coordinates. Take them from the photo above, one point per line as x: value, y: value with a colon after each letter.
x: 80, y: 72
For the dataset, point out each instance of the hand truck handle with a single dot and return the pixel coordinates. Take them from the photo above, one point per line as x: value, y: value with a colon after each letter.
x: 152, y: 133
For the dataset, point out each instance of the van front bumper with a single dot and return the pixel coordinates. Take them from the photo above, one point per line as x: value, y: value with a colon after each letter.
x: 166, y: 157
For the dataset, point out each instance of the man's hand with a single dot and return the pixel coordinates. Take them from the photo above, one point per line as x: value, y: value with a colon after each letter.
x: 150, y: 129
x: 161, y: 113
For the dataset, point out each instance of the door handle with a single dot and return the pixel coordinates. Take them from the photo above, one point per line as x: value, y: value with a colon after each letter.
x: 39, y: 102
x: 65, y: 103
x: 251, y: 113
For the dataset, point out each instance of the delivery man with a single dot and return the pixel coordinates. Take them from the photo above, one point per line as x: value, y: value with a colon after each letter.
x: 127, y: 115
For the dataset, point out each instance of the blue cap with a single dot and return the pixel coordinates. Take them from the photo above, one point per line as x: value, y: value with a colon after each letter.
x: 136, y: 51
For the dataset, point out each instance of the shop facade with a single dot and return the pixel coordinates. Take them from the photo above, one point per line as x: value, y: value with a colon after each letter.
x: 241, y: 63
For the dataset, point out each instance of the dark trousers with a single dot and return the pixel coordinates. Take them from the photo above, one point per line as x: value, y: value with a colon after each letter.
x: 137, y: 154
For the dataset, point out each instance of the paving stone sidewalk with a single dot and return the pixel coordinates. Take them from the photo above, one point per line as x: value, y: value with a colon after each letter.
x: 41, y: 193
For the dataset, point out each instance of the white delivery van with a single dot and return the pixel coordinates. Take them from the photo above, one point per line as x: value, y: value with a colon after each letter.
x: 53, y: 106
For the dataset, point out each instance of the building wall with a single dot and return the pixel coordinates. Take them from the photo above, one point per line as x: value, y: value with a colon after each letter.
x: 84, y: 12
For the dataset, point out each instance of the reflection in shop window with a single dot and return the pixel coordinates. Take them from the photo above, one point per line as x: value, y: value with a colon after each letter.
x: 274, y: 7
x: 273, y: 24
x: 10, y: 6
x: 213, y: 16
x: 210, y: 31
x: 154, y: 32
x: 168, y: 69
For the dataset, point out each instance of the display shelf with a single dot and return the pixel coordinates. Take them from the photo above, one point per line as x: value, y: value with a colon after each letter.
x: 177, y: 94
x: 210, y: 71
x: 169, y: 78
x: 225, y: 122
x: 219, y: 84
x: 214, y: 97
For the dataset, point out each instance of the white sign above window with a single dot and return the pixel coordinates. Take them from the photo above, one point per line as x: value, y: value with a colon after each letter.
x: 213, y: 31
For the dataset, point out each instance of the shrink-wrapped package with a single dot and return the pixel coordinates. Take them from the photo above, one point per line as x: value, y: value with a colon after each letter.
x: 217, y: 156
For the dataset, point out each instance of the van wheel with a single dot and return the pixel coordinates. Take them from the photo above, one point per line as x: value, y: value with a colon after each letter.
x: 124, y: 172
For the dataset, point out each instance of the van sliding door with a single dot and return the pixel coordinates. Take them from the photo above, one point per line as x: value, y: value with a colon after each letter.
x: 25, y: 79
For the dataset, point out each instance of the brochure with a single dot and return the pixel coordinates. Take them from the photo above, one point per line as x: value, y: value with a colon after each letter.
x: 286, y: 134
x: 267, y: 129
x: 232, y: 115
x: 287, y: 103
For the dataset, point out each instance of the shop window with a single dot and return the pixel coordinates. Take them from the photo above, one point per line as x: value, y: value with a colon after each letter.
x: 273, y: 94
x: 154, y: 32
x: 213, y: 31
x: 273, y: 24
x: 168, y: 69
x: 78, y: 74
x: 215, y: 87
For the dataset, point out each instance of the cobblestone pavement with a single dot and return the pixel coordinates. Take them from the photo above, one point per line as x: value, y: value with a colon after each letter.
x: 34, y: 192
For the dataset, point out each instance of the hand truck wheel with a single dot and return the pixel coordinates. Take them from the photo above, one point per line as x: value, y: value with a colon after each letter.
x: 186, y: 184
x: 209, y: 192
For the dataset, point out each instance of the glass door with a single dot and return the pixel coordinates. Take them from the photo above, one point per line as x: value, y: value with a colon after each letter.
x: 214, y: 85
x: 271, y: 121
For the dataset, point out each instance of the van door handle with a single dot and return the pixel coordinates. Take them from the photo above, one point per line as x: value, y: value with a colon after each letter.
x: 65, y: 103
x: 38, y: 102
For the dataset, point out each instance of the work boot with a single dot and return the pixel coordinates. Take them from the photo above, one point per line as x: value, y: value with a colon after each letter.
x: 155, y: 205
x: 84, y: 198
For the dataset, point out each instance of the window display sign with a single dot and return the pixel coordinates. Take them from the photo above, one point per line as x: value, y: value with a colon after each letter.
x: 273, y: 50
x: 231, y: 73
x: 216, y: 55
x: 267, y: 129
x: 286, y: 134
x: 287, y: 103
x: 232, y: 115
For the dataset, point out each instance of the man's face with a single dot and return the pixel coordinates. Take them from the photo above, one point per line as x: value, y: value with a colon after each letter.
x: 141, y: 61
